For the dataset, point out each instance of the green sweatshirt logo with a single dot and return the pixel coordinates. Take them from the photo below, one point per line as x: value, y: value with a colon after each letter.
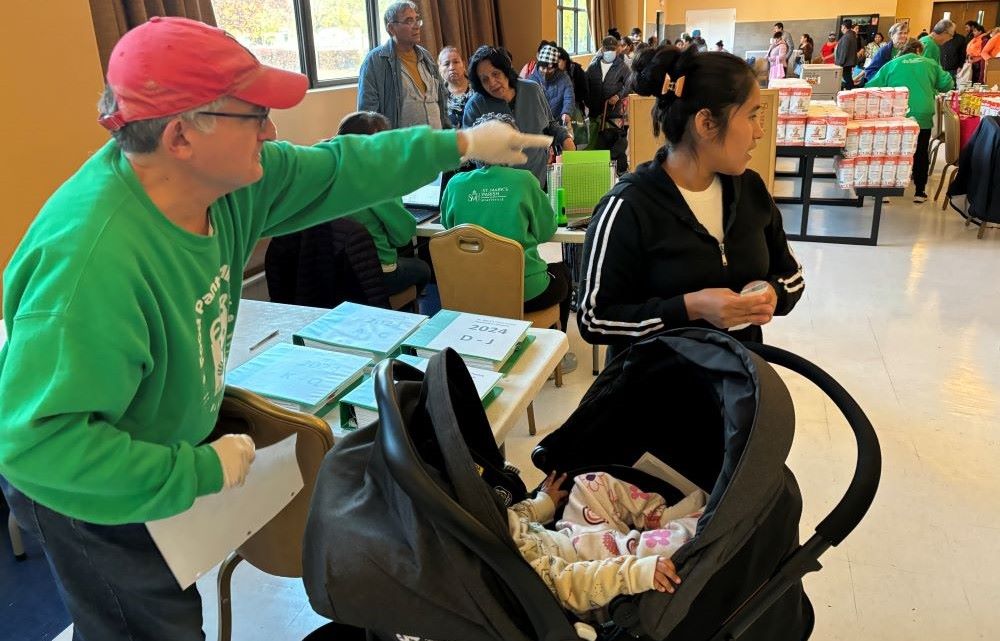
x: 215, y: 304
x: 489, y: 195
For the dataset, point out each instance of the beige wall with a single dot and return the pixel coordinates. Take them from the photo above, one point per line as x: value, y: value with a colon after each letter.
x: 919, y: 12
x: 317, y: 116
x: 52, y: 80
x: 628, y: 14
x: 525, y: 24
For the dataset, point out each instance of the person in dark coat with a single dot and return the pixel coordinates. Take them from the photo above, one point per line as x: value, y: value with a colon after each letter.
x: 845, y: 55
x: 953, y: 54
x: 607, y: 79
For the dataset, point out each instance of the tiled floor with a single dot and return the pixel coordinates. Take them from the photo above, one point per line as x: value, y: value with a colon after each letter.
x: 910, y: 328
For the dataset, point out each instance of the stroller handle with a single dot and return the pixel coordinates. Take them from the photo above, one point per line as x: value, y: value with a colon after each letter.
x: 861, y: 492
x: 839, y: 522
x: 405, y: 465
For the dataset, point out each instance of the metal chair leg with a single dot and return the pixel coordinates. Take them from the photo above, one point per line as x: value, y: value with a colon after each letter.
x: 595, y: 365
x: 951, y: 179
x: 531, y: 421
x: 225, y: 588
x: 559, y: 364
x: 944, y: 177
x: 932, y: 153
x: 16, y: 543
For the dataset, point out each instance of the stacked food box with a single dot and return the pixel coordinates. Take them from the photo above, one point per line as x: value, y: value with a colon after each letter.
x: 803, y: 121
x: 879, y: 141
x: 794, y: 97
x: 972, y: 103
x: 989, y: 107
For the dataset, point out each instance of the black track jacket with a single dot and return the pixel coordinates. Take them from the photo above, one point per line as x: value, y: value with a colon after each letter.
x: 645, y: 249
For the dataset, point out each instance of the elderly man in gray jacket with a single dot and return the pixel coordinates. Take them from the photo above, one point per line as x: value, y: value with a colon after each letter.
x: 399, y: 79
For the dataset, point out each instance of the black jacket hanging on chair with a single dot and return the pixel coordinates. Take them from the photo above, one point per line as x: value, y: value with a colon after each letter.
x: 326, y: 265
x: 978, y: 177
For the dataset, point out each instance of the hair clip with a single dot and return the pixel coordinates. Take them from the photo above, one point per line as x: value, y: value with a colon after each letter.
x: 675, y: 86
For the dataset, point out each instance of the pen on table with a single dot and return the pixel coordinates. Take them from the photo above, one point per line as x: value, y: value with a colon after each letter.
x: 263, y: 340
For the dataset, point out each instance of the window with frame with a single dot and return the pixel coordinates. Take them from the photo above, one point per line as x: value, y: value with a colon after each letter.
x: 573, y: 27
x: 325, y: 39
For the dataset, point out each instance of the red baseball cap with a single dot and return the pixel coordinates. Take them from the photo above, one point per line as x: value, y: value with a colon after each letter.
x: 170, y: 65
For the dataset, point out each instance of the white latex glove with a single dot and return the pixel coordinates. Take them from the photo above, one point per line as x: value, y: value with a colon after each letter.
x: 236, y: 452
x: 498, y: 143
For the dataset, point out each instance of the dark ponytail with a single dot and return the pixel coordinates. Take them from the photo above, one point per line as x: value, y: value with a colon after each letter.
x: 713, y: 80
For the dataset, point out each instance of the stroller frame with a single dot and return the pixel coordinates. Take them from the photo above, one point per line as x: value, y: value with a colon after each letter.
x: 550, y: 623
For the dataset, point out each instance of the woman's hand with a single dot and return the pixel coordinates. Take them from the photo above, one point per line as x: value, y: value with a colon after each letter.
x: 770, y: 298
x: 724, y: 308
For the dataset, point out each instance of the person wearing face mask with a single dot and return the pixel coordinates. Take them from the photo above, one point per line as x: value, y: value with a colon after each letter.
x: 452, y: 68
x: 827, y: 50
x: 607, y: 77
x: 674, y: 243
x: 555, y: 83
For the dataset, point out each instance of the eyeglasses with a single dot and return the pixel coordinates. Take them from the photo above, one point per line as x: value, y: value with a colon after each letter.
x: 260, y: 116
x: 410, y: 22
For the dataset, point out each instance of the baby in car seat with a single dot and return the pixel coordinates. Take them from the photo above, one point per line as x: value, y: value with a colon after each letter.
x: 613, y: 538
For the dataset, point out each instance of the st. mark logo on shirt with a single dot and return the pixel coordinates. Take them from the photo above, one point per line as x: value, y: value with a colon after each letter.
x: 214, y: 323
x: 489, y: 195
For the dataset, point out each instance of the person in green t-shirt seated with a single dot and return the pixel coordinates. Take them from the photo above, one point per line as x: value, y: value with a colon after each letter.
x: 389, y: 224
x: 510, y: 202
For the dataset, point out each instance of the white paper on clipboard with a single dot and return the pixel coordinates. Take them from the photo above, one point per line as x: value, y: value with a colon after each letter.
x: 195, y: 541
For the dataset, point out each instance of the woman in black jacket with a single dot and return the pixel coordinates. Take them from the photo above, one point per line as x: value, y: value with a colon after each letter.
x: 675, y: 243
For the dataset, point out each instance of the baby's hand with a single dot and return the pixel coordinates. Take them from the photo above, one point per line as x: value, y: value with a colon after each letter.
x: 551, y: 486
x: 664, y: 574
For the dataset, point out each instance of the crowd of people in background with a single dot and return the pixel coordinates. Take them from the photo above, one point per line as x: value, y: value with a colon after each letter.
x: 557, y: 96
x: 651, y: 260
x: 861, y: 51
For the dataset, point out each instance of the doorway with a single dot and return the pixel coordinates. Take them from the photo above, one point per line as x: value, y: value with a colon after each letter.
x: 984, y: 13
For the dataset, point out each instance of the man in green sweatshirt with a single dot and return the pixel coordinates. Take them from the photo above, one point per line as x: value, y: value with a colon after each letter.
x: 942, y: 32
x: 120, y: 303
x: 924, y: 78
